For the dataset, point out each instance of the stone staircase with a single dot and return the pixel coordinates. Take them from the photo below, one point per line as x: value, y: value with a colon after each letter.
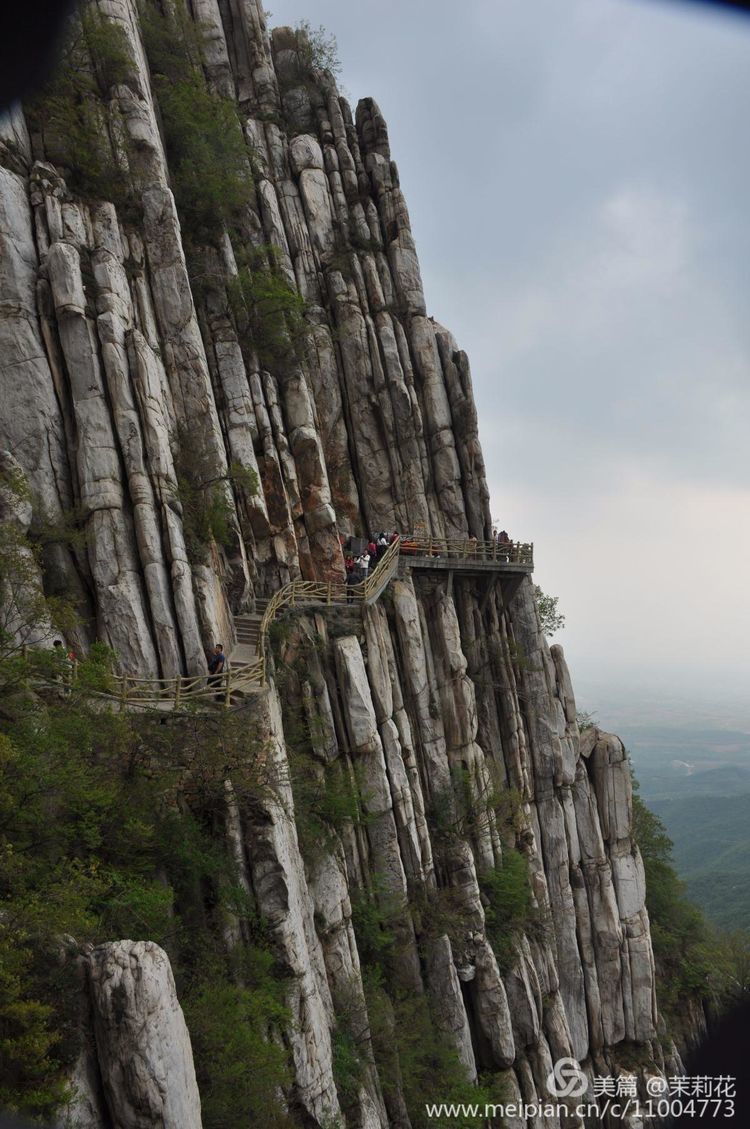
x: 247, y: 626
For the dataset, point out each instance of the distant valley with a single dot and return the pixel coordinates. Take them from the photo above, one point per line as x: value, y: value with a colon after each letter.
x: 692, y: 762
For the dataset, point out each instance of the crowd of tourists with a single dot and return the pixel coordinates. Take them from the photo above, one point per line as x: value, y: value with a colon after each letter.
x: 360, y: 556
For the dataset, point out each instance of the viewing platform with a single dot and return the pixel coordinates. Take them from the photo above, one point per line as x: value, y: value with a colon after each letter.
x: 499, y: 562
x: 467, y: 554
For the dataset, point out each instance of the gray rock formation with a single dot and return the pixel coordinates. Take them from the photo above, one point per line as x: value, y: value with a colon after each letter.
x: 120, y: 365
x: 142, y: 1042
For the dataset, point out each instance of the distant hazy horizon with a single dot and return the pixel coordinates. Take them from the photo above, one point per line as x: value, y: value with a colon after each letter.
x: 577, y: 181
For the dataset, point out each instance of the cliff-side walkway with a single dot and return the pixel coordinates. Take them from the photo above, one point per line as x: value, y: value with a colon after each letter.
x: 248, y: 671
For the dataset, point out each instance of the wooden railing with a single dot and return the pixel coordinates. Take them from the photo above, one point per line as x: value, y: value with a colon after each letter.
x: 468, y: 549
x: 179, y: 692
x: 332, y: 592
x: 176, y: 693
x: 160, y: 693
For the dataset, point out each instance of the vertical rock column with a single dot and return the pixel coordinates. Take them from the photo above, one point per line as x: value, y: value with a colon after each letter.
x: 282, y: 896
x: 143, y: 1046
x: 121, y: 600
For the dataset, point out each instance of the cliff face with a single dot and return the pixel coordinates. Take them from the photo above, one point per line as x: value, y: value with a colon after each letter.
x: 122, y: 367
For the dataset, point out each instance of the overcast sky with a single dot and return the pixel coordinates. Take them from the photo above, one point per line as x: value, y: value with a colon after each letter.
x: 578, y: 178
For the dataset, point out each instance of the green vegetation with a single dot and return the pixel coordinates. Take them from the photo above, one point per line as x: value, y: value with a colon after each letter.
x: 585, y: 719
x: 205, y: 498
x: 325, y: 800
x: 510, y: 911
x: 684, y: 948
x: 70, y: 110
x: 327, y: 796
x: 318, y: 48
x: 107, y: 830
x: 519, y: 658
x: 693, y: 959
x: 375, y: 919
x: 710, y: 847
x: 350, y: 1052
x: 268, y: 311
x: 325, y: 788
x: 466, y: 809
x: 95, y: 845
x: 208, y: 159
x: 415, y: 1057
x: 240, y: 1071
x: 24, y: 610
x: 550, y: 619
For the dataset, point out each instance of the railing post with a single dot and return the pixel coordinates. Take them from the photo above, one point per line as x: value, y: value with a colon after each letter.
x: 177, y: 691
x: 228, y: 692
x: 124, y: 690
x: 329, y: 599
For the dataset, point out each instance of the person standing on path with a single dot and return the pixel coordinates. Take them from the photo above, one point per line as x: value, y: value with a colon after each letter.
x: 216, y: 665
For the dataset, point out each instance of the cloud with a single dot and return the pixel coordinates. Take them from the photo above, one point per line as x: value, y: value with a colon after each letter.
x: 620, y: 344
x: 648, y: 577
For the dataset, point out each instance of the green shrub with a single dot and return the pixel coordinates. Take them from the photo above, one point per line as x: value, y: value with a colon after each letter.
x: 108, y: 48
x: 173, y: 41
x: 71, y: 115
x: 268, y: 311
x: 550, y: 619
x: 464, y: 809
x: 326, y: 799
x: 414, y: 1056
x: 242, y: 1071
x: 375, y: 923
x: 30, y: 1077
x: 318, y: 48
x: 586, y: 719
x: 685, y: 948
x: 208, y: 514
x: 348, y: 1064
x: 208, y: 159
x: 511, y: 911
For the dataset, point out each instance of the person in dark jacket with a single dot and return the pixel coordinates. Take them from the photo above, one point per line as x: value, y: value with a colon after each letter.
x: 216, y: 665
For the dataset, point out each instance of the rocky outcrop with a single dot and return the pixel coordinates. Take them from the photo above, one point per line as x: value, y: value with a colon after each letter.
x: 142, y: 1043
x: 126, y: 376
